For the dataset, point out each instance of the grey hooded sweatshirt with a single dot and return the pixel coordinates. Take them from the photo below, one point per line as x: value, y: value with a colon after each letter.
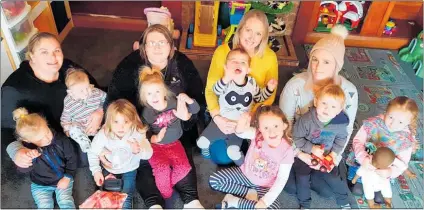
x: 309, y: 131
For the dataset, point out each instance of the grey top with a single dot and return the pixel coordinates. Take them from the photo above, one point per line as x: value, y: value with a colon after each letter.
x: 166, y: 118
x: 309, y: 131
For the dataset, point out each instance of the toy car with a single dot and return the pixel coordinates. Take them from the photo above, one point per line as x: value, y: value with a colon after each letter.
x: 327, y: 163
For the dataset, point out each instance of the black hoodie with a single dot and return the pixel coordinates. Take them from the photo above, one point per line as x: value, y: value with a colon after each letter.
x: 57, y: 160
x: 23, y: 89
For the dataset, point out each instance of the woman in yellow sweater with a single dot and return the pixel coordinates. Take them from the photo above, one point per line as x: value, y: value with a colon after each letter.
x: 252, y: 36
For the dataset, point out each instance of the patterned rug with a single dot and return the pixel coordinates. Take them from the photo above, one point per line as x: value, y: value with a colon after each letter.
x: 379, y: 77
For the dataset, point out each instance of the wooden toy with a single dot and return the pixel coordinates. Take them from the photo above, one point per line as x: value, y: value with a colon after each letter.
x: 327, y: 163
x: 205, y: 30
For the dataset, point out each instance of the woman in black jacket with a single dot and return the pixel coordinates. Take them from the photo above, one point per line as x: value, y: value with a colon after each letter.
x: 39, y: 86
x: 157, y: 50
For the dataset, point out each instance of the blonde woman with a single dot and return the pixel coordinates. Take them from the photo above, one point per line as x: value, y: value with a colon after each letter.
x: 252, y: 36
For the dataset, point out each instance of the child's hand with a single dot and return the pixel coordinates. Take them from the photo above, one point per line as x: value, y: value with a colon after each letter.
x: 305, y: 157
x: 146, y: 149
x: 33, y: 154
x: 260, y: 204
x: 63, y: 183
x: 135, y: 147
x: 354, y: 180
x: 272, y: 84
x: 317, y: 151
x: 99, y: 178
x: 103, y: 158
x: 185, y: 98
x: 243, y: 123
x: 182, y: 111
x: 158, y: 138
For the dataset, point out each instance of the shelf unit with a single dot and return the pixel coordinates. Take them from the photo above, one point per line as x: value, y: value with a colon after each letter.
x: 408, y: 17
x: 37, y: 15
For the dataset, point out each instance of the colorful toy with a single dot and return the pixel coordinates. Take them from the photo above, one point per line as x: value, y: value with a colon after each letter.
x: 328, y: 15
x: 327, y: 163
x: 205, y: 30
x: 278, y: 26
x: 414, y: 54
x: 161, y: 16
x: 351, y: 10
x: 389, y: 28
x: 12, y: 9
x: 237, y: 10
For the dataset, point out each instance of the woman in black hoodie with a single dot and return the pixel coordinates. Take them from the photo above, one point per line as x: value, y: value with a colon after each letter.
x: 156, y: 50
x: 39, y: 86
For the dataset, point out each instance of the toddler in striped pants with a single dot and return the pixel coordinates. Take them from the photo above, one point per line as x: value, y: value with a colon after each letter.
x: 82, y: 101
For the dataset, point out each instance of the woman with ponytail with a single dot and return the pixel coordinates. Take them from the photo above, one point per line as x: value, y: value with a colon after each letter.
x: 297, y: 97
x: 163, y: 112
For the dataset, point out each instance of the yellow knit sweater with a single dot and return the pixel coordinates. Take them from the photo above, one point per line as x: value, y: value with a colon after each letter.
x: 262, y: 70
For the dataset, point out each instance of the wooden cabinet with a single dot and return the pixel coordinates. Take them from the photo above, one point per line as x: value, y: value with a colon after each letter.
x: 408, y: 17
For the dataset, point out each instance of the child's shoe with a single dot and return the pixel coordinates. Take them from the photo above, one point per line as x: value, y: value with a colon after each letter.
x: 194, y: 204
x: 347, y: 206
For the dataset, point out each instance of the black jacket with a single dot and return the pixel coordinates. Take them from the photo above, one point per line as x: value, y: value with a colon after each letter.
x: 23, y: 89
x: 181, y: 76
x: 56, y: 161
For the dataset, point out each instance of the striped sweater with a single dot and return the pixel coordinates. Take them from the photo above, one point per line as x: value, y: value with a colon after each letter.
x: 76, y: 112
x: 235, y: 99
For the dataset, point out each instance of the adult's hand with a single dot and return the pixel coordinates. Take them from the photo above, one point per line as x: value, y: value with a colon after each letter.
x: 23, y: 158
x: 103, y: 158
x: 225, y: 125
x: 94, y: 122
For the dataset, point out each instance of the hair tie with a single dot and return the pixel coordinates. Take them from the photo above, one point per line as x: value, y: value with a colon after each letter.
x: 22, y: 116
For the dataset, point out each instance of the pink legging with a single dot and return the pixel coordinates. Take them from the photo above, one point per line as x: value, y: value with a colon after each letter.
x: 170, y: 164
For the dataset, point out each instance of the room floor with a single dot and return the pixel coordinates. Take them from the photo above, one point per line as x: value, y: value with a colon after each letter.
x: 100, y: 51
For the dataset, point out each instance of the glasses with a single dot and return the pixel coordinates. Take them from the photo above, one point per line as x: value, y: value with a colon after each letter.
x: 158, y: 44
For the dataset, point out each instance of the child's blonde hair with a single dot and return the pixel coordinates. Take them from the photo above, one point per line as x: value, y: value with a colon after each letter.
x: 151, y: 76
x: 259, y: 15
x: 128, y: 111
x: 332, y: 90
x: 240, y: 51
x: 276, y: 111
x: 75, y: 76
x: 27, y: 125
x: 405, y: 104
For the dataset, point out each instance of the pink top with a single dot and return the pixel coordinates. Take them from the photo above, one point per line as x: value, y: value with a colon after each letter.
x: 261, y: 165
x: 402, y: 157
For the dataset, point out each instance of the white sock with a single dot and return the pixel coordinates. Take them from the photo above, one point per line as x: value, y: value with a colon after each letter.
x: 231, y: 200
x: 194, y: 204
x: 156, y: 206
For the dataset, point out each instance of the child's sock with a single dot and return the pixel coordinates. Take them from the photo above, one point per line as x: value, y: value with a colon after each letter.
x: 156, y: 206
x: 231, y: 201
x: 194, y: 204
x: 252, y: 195
x: 235, y: 154
x: 347, y: 206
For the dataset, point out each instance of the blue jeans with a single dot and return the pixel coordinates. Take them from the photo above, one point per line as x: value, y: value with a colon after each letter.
x: 43, y: 196
x: 128, y: 186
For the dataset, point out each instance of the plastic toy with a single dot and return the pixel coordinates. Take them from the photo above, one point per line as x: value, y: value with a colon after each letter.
x: 351, y: 10
x: 328, y: 15
x: 21, y: 31
x: 414, y: 54
x: 12, y: 9
x: 326, y: 163
x: 161, y: 16
x: 278, y: 26
x: 205, y: 30
x: 389, y: 28
x: 237, y: 10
